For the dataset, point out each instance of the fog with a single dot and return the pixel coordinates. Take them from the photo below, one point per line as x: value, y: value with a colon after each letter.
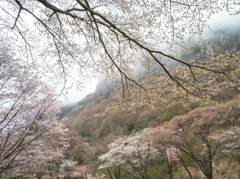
x: 218, y: 22
x: 74, y: 95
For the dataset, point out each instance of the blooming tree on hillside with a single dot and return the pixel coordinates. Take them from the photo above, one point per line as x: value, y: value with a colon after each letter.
x: 230, y: 136
x: 132, y: 152
x: 200, y: 134
x: 39, y: 156
x: 67, y: 168
x: 27, y: 110
x: 231, y: 140
x: 172, y: 154
x: 48, y: 152
x: 81, y: 171
x: 186, y: 132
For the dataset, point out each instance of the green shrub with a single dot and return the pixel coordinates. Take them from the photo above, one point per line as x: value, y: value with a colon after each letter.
x: 130, y: 126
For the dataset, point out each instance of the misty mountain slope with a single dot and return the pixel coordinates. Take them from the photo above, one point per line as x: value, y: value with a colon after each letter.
x: 99, y: 121
x: 97, y: 115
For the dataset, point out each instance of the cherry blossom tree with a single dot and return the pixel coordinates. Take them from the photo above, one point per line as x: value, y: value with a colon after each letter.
x: 229, y: 136
x: 110, y: 38
x: 67, y: 168
x: 50, y: 150
x: 39, y: 156
x: 81, y: 171
x: 27, y: 110
x: 230, y: 139
x: 132, y: 153
x: 171, y: 155
x: 114, y: 172
x: 185, y: 133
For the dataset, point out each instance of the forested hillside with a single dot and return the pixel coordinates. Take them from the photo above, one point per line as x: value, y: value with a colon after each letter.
x: 189, y: 135
x: 99, y: 123
x: 167, y: 104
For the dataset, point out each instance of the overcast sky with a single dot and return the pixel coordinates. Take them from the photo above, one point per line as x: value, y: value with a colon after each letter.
x: 75, y: 95
x: 223, y: 20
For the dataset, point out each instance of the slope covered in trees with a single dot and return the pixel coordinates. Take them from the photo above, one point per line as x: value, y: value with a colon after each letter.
x: 191, y: 130
x: 185, y: 138
x: 99, y: 120
x: 150, y: 113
